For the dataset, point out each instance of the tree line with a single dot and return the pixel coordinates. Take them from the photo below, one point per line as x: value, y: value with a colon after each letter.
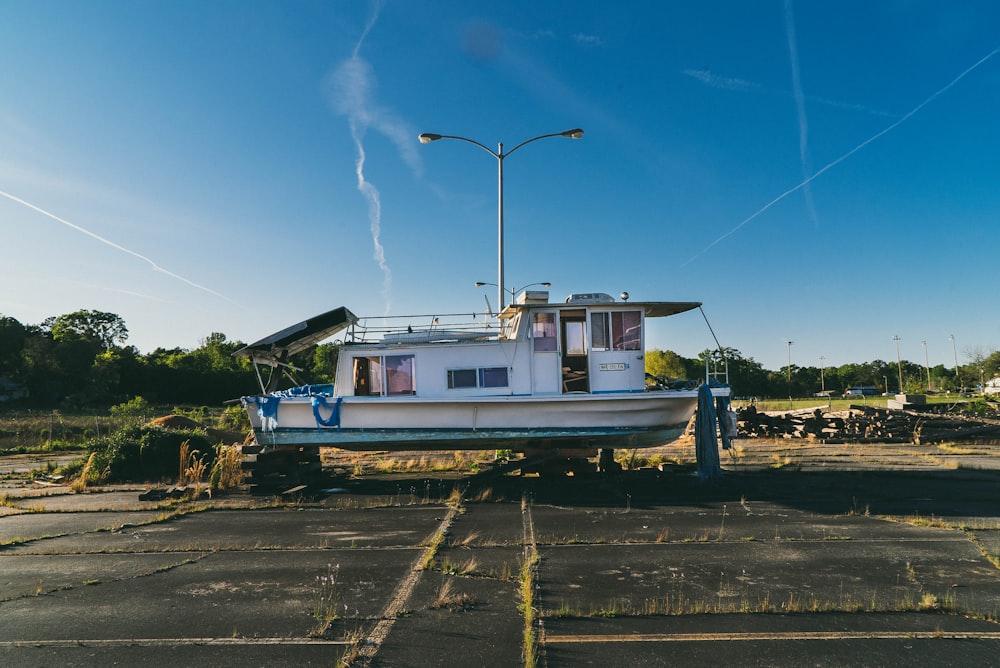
x: 81, y: 359
x: 749, y: 378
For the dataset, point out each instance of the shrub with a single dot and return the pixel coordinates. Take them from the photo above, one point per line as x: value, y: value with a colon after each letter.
x: 134, y: 410
x: 234, y: 418
x: 227, y: 472
x: 140, y: 454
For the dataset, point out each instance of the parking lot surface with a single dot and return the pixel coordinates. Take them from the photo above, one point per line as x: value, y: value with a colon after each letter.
x: 768, y: 566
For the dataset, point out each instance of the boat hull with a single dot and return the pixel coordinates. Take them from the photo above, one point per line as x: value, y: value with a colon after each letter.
x: 626, y: 420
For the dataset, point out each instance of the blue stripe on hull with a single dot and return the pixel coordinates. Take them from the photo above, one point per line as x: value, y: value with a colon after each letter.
x: 462, y: 439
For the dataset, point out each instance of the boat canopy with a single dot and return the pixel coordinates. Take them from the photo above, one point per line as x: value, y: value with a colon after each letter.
x: 276, y: 348
x: 650, y: 309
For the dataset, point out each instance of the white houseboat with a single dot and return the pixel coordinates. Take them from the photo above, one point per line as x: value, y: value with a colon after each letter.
x: 538, y: 376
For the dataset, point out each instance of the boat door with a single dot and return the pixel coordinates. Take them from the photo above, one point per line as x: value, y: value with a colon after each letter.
x: 545, y: 374
x: 575, y: 376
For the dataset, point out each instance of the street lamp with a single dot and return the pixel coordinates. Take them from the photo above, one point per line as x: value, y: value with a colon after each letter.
x: 789, y: 344
x: 927, y: 365
x: 899, y: 364
x: 822, y: 380
x: 499, y: 154
x: 514, y: 291
x: 954, y: 351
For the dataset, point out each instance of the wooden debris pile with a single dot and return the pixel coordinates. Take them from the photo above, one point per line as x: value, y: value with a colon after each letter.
x: 865, y: 424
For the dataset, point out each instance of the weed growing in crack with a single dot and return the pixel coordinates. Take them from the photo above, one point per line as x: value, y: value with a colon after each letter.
x: 325, y: 598
x: 527, y: 606
x: 451, y: 600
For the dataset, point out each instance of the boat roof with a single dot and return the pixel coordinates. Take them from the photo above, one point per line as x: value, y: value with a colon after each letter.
x: 299, y: 336
x: 650, y: 309
x: 279, y: 346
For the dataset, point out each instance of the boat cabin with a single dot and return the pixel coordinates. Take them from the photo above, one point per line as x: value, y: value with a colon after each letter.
x: 589, y: 344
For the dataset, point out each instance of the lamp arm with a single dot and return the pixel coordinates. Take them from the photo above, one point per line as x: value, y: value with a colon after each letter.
x: 474, y: 143
x: 553, y: 134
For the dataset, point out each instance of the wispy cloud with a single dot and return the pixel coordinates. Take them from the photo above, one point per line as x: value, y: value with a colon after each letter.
x: 800, y: 107
x: 112, y: 244
x: 350, y: 88
x: 716, y: 81
x: 713, y: 80
x: 845, y: 156
x: 587, y: 40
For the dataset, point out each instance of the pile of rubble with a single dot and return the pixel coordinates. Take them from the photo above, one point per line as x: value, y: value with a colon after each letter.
x: 866, y: 424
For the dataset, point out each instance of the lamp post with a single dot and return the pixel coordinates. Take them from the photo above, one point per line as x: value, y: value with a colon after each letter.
x: 927, y: 364
x: 789, y: 344
x: 954, y: 351
x: 899, y: 364
x: 822, y: 380
x: 499, y: 154
x: 514, y: 291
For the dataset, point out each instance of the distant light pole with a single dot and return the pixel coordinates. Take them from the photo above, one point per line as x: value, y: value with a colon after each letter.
x: 899, y: 364
x: 954, y: 351
x: 514, y: 291
x: 789, y: 344
x: 822, y: 381
x: 927, y: 364
x: 499, y: 154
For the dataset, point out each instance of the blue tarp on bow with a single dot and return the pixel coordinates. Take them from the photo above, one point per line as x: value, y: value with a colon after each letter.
x: 334, y: 419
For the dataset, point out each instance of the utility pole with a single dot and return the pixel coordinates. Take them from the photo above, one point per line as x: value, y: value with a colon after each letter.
x: 927, y: 364
x: 954, y: 351
x: 899, y: 364
x: 789, y: 344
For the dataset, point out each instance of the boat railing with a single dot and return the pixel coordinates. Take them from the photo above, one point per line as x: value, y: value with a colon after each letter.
x: 428, y: 328
x: 712, y: 371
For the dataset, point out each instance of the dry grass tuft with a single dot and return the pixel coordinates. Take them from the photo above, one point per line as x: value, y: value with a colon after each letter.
x: 80, y: 484
x: 449, y: 599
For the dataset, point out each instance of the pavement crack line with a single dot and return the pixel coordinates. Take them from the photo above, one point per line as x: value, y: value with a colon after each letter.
x: 371, y: 644
x: 165, y: 642
x: 808, y: 635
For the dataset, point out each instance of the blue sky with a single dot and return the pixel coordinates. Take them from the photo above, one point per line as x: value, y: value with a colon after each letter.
x: 817, y: 172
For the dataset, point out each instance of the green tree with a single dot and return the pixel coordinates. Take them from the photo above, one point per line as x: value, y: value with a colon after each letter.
x: 665, y: 364
x: 105, y: 329
x: 12, y: 337
x: 324, y: 363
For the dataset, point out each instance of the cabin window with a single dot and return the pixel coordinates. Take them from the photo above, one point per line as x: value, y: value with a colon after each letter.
x: 626, y: 330
x: 459, y: 378
x: 543, y: 331
x: 616, y: 330
x: 576, y: 337
x: 493, y: 377
x: 470, y: 378
x: 599, y: 331
x: 367, y: 376
x: 394, y: 373
x: 399, y: 375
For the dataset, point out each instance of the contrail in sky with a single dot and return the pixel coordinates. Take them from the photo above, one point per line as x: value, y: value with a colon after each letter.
x: 742, y: 85
x: 350, y: 87
x: 107, y: 242
x: 800, y: 106
x: 845, y: 156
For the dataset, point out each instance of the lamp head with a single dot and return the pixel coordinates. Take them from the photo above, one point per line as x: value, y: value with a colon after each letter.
x: 575, y: 133
x: 428, y: 137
